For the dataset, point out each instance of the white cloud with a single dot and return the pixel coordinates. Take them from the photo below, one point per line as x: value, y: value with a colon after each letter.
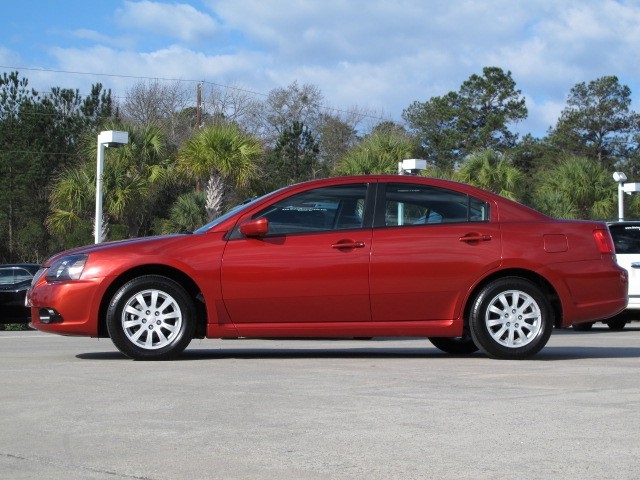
x: 176, y: 20
x: 172, y: 63
x: 370, y: 30
x: 542, y: 115
x: 372, y: 53
x: 87, y: 34
x: 593, y: 35
x: 378, y: 53
x: 9, y: 57
x: 97, y: 37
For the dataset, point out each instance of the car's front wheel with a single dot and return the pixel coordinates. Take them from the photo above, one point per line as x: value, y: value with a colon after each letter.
x: 511, y: 318
x: 151, y: 318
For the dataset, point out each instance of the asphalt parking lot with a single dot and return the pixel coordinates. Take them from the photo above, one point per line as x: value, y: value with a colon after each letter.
x: 75, y: 408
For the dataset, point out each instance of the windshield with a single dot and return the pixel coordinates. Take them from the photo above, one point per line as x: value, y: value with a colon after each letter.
x: 238, y: 208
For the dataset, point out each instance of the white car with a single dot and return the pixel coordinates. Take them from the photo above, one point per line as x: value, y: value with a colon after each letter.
x: 626, y: 237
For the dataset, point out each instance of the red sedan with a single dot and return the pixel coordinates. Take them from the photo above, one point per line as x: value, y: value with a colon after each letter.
x: 343, y: 257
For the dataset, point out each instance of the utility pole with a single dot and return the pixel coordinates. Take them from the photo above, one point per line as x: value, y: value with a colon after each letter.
x: 198, y: 118
x: 198, y: 103
x: 10, y: 211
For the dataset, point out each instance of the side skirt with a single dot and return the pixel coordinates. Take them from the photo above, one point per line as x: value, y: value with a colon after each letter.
x: 431, y: 328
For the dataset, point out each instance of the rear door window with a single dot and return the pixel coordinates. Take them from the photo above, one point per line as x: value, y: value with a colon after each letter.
x: 411, y: 204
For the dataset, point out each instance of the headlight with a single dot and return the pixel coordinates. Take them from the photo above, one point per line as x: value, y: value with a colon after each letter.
x: 67, y: 268
x: 37, y: 276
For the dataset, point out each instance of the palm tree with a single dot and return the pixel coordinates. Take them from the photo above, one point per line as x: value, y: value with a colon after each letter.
x: 221, y: 156
x: 139, y: 173
x: 492, y: 171
x: 187, y: 213
x: 72, y: 200
x: 576, y: 187
x: 377, y: 154
x: 133, y: 175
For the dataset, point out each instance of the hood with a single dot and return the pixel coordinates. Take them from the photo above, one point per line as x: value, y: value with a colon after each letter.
x: 142, y: 241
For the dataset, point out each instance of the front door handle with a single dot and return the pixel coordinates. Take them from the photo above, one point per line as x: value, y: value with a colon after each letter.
x: 475, y: 237
x: 347, y: 244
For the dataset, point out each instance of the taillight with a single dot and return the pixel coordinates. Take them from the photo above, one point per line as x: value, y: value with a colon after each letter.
x: 604, y: 241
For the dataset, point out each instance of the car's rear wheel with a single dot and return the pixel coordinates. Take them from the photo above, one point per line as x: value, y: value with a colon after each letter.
x: 616, y: 323
x: 511, y: 319
x: 455, y: 345
x: 151, y: 318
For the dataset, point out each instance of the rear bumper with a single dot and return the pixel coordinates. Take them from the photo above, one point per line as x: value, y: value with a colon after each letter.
x: 596, y: 290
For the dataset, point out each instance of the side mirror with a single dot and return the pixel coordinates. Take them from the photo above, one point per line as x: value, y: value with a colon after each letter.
x: 255, y: 228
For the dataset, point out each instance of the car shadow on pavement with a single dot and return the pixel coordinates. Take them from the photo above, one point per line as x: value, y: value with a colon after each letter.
x: 550, y: 353
x: 583, y: 353
x: 194, y: 354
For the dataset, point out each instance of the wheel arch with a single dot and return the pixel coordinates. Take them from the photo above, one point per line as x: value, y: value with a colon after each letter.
x: 546, y: 287
x: 174, y: 274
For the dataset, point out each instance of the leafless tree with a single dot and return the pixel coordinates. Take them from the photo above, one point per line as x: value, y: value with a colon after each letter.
x: 161, y: 103
x: 231, y: 104
x: 284, y: 106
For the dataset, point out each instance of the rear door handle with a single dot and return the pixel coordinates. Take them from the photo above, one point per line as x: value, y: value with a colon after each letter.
x: 635, y: 265
x: 347, y: 244
x: 475, y: 238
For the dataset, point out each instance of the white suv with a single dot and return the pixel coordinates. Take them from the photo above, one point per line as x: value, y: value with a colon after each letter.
x: 626, y: 237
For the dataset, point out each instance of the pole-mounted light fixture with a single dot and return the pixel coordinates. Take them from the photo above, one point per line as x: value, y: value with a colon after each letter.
x: 113, y: 139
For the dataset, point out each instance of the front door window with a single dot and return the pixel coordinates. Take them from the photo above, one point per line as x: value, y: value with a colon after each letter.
x: 312, y: 266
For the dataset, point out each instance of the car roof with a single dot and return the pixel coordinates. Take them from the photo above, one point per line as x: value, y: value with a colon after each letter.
x: 27, y: 266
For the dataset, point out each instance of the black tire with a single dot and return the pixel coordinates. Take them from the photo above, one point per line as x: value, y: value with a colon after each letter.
x: 163, y: 328
x: 455, y: 345
x: 616, y: 323
x: 583, y: 327
x: 511, y: 319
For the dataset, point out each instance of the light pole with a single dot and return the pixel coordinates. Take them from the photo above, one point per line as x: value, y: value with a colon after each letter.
x: 623, y: 188
x: 107, y: 138
x: 620, y: 177
x: 413, y: 166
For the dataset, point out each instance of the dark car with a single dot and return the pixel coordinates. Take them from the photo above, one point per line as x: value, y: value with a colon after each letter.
x: 348, y: 257
x: 14, y: 283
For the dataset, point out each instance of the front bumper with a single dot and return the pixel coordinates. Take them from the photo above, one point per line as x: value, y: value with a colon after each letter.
x: 66, y: 308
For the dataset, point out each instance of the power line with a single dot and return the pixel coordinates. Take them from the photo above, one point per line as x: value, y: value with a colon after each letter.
x: 36, y: 152
x: 114, y: 75
x: 215, y: 84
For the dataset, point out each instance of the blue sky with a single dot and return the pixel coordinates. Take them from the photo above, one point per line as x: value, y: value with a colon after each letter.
x: 376, y: 55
